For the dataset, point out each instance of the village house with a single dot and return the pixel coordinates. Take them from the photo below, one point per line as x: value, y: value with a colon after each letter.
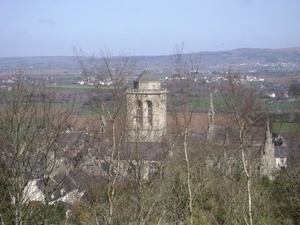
x: 85, y: 159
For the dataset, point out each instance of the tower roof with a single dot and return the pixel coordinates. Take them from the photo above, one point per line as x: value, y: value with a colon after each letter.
x: 147, y: 76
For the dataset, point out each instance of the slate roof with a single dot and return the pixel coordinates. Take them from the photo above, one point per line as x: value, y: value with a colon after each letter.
x: 152, y: 151
x: 281, y: 151
x: 66, y: 182
x: 220, y: 133
x: 147, y: 76
x: 73, y: 139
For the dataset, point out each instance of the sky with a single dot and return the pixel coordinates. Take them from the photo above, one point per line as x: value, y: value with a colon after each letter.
x: 145, y: 27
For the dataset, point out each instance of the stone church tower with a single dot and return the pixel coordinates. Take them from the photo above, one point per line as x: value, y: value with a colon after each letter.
x: 267, y: 161
x: 211, y: 118
x: 146, y: 109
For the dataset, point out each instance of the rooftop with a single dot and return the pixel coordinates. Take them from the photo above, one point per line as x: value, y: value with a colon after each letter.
x: 147, y: 76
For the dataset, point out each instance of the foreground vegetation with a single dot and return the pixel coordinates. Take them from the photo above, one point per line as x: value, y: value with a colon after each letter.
x: 192, y: 183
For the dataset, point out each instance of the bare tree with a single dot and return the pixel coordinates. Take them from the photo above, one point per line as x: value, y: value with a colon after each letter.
x: 182, y: 108
x: 144, y: 162
x: 30, y: 128
x: 242, y: 109
x: 107, y: 76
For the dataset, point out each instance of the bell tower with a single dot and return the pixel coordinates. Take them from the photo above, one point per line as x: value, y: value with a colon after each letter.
x: 211, y: 118
x: 267, y: 161
x: 146, y: 109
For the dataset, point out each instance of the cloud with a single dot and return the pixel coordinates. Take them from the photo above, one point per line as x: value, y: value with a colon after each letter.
x: 50, y: 21
x: 22, y: 32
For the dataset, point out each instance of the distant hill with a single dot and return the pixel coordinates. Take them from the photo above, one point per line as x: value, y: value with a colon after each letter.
x: 252, y: 55
x: 233, y: 57
x: 246, y: 55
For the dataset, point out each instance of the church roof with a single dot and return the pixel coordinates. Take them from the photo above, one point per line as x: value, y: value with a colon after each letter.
x: 281, y: 151
x: 147, y: 76
x: 231, y: 134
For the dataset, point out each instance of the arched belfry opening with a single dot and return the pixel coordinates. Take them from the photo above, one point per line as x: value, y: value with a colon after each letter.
x: 139, y: 112
x: 146, y: 109
x: 150, y: 112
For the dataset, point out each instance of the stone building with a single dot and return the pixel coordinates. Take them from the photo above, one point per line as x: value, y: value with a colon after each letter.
x: 146, y: 109
x: 258, y: 144
x: 146, y: 123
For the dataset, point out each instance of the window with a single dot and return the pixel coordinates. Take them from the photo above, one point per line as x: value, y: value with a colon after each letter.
x: 150, y: 112
x: 211, y: 118
x: 131, y: 170
x: 102, y: 132
x: 153, y: 171
x: 139, y: 113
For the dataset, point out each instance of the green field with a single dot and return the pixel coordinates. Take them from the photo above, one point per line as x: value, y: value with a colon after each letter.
x: 72, y: 88
x: 282, y: 105
x: 284, y: 127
